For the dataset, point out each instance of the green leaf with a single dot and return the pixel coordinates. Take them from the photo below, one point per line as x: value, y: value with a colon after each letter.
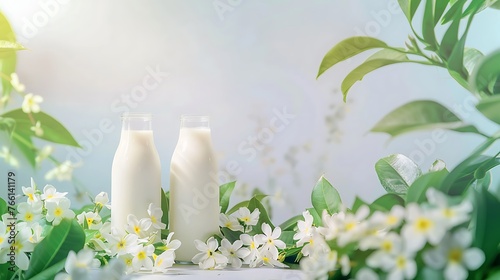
x: 244, y: 204
x: 53, y: 130
x: 5, y: 273
x: 325, y: 197
x: 291, y: 223
x: 230, y: 235
x: 224, y: 195
x: 485, y: 73
x: 25, y: 145
x: 471, y: 58
x: 417, y: 190
x: 65, y: 237
x: 7, y: 46
x: 489, y: 107
x: 8, y: 59
x: 387, y: 201
x: 409, y: 8
x: 450, y: 37
x: 165, y: 206
x: 439, y: 8
x: 380, y: 59
x: 428, y: 25
x: 485, y: 224
x: 455, y: 10
x: 287, y: 237
x: 264, y: 216
x: 358, y: 202
x: 462, y: 176
x: 89, y: 234
x: 496, y: 5
x: 396, y: 173
x: 3, y: 207
x: 417, y: 115
x: 316, y: 217
x: 347, y: 49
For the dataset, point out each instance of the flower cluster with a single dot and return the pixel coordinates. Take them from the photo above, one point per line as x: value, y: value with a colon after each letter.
x: 395, y: 243
x: 258, y: 250
x: 241, y: 220
x: 137, y: 245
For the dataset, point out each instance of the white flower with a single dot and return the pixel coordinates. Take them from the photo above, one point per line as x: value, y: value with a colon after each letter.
x: 102, y: 200
x: 318, y: 264
x: 121, y: 243
x: 142, y: 258
x: 138, y: 227
x: 8, y: 157
x: 92, y: 219
x: 422, y: 225
x: 37, y: 129
x: 14, y: 81
x: 31, y: 103
x: 113, y: 271
x: 388, y: 220
x: 30, y: 192
x: 249, y: 219
x: 268, y: 258
x: 345, y: 265
x: 253, y: 244
x: 51, y: 194
x: 62, y: 172
x: 270, y: 239
x: 346, y: 227
x: 234, y: 252
x: 44, y: 153
x: 366, y: 274
x: 22, y: 246
x: 230, y: 222
x: 390, y: 245
x: 163, y: 261
x: 316, y: 242
x: 171, y: 245
x: 209, y: 258
x: 400, y: 265
x: 4, y: 236
x: 455, y: 256
x: 451, y: 215
x: 305, y: 229
x: 83, y: 260
x: 155, y: 214
x: 31, y: 214
x: 56, y: 211
x: 36, y: 236
x: 127, y: 260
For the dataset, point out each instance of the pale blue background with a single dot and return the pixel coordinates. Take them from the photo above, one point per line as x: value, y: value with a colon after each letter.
x: 236, y: 66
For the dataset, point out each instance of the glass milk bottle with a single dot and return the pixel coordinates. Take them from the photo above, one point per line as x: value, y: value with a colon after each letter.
x: 194, y: 190
x: 136, y: 171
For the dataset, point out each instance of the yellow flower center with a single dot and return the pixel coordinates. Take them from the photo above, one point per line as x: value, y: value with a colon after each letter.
x: 387, y: 246
x: 423, y: 224
x: 141, y: 256
x: 153, y: 219
x: 455, y: 255
x: 128, y: 262
x: 246, y: 219
x: 137, y: 229
x: 154, y: 256
x: 1, y: 240
x: 28, y: 217
x: 49, y: 196
x: 121, y: 244
x: 252, y: 245
x: 58, y: 212
x: 228, y: 224
x: 401, y: 262
x: 90, y: 221
x: 270, y: 241
x: 448, y: 213
x: 30, y: 197
x: 265, y: 259
x: 210, y: 253
x: 392, y: 220
x: 350, y: 226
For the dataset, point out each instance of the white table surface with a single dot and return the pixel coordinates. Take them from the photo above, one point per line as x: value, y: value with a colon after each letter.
x: 184, y: 272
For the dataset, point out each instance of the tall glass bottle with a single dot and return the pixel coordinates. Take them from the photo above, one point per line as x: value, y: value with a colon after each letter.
x: 136, y: 171
x: 194, y: 190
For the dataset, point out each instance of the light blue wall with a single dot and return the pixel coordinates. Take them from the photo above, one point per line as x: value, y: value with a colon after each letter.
x: 238, y: 66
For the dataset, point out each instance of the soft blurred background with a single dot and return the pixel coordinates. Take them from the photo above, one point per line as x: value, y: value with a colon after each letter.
x: 243, y: 63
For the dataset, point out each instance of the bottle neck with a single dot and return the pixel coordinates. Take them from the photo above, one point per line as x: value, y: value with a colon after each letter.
x: 136, y: 122
x: 188, y: 121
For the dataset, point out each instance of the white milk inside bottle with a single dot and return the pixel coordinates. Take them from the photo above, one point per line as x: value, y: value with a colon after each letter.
x: 194, y: 190
x: 136, y: 171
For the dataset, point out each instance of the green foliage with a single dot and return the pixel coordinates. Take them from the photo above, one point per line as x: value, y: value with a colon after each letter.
x: 417, y: 190
x: 396, y: 173
x: 325, y: 197
x: 3, y: 206
x: 420, y: 115
x: 489, y: 108
x: 253, y: 204
x: 225, y: 194
x: 8, y: 57
x: 386, y: 202
x: 291, y: 223
x: 165, y: 206
x: 54, y: 248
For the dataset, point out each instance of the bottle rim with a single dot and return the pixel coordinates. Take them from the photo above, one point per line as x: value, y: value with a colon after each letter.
x: 129, y: 115
x: 195, y: 118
